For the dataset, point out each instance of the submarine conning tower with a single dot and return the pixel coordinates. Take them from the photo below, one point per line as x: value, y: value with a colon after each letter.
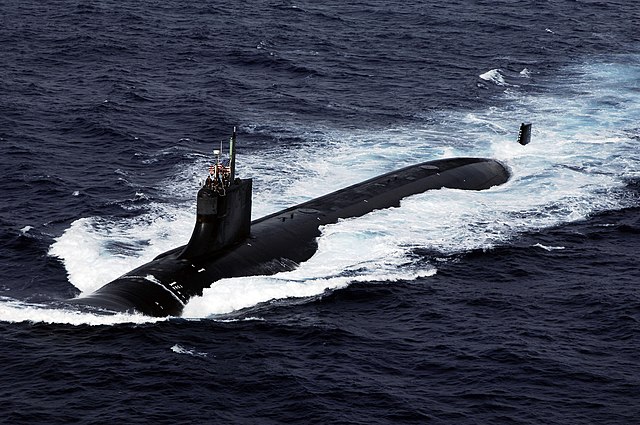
x: 223, y: 208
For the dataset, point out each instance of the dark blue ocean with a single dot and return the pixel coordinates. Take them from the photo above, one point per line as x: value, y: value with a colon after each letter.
x: 515, y: 305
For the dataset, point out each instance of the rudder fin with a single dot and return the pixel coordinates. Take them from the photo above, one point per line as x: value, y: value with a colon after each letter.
x: 524, y: 135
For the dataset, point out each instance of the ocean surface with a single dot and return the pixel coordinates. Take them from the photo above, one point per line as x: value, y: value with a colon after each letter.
x: 515, y: 305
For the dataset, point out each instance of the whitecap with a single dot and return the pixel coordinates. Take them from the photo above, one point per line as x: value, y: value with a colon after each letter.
x: 494, y: 76
x: 548, y: 248
x: 179, y: 349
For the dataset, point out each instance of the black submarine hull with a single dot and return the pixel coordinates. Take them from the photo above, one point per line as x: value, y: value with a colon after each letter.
x: 279, y: 241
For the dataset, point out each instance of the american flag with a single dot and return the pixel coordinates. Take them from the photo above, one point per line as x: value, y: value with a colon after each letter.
x: 211, y: 169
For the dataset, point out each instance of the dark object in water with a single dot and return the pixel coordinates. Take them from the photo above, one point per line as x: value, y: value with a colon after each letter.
x: 225, y: 243
x: 524, y: 135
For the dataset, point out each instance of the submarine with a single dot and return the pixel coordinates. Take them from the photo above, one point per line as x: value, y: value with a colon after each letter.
x: 225, y: 242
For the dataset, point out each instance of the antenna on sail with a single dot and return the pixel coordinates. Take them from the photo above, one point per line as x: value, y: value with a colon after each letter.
x: 232, y: 156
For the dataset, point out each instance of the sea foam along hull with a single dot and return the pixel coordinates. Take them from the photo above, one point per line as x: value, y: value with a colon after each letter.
x: 280, y: 241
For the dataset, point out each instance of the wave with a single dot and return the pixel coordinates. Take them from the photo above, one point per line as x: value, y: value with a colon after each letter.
x: 500, y: 77
x: 15, y: 311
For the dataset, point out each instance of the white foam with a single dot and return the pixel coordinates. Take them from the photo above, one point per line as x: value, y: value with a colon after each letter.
x: 494, y: 76
x: 96, y: 250
x: 227, y: 295
x: 179, y: 349
x: 582, y: 150
x: 15, y: 311
x: 549, y: 248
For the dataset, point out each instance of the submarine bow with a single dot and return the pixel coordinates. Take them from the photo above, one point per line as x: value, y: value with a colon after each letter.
x: 225, y: 244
